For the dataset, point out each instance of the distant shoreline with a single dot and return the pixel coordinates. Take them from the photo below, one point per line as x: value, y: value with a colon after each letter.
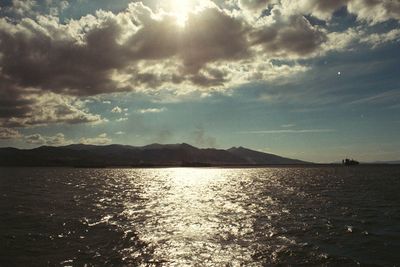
x: 315, y: 165
x: 152, y: 156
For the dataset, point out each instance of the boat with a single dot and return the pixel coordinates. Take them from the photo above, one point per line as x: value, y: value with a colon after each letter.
x: 350, y: 162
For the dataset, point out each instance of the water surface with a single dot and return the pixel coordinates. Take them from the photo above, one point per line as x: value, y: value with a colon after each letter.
x: 200, y: 216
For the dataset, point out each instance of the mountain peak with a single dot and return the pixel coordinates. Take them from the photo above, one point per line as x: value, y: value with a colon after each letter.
x: 168, y: 146
x: 234, y: 148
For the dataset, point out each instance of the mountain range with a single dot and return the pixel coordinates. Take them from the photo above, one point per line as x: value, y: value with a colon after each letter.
x: 80, y: 155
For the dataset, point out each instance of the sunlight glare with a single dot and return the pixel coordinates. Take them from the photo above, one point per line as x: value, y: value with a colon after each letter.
x: 180, y: 9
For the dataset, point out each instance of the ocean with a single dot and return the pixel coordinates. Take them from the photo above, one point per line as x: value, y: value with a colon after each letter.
x: 331, y: 215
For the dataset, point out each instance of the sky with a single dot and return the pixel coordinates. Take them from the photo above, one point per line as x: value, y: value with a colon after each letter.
x: 310, y: 79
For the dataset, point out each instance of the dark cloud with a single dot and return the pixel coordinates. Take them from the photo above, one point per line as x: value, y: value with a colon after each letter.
x: 12, y: 102
x: 39, y: 54
x: 155, y: 39
x: 287, y: 37
x: 215, y: 36
x: 372, y: 11
x: 41, y: 109
x: 209, y: 77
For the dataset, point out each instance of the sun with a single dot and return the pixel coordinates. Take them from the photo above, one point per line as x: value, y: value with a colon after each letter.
x: 180, y: 9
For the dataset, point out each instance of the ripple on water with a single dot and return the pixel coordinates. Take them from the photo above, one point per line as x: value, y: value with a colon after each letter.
x: 207, y: 216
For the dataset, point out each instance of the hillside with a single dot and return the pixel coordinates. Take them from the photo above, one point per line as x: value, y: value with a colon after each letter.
x: 80, y: 155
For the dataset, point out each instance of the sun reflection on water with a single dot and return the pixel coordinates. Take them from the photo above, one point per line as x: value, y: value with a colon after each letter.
x: 186, y: 215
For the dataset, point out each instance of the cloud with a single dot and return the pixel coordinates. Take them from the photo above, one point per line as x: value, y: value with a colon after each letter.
x: 56, y: 140
x: 376, y: 39
x: 33, y: 109
x: 7, y: 133
x: 116, y: 110
x: 151, y: 110
x: 319, y: 8
x: 375, y: 11
x: 284, y: 36
x: 122, y: 119
x: 371, y: 11
x: 381, y: 98
x: 13, y: 103
x: 60, y: 139
x: 36, y: 139
x: 351, y: 38
x: 56, y: 57
x: 289, y: 131
x: 58, y: 7
x: 22, y: 7
x: 101, y: 139
x: 209, y: 42
x: 255, y: 6
x: 144, y: 49
x: 137, y: 49
x: 120, y: 133
x: 33, y: 8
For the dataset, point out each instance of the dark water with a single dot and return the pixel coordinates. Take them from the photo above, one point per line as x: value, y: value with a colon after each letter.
x: 186, y: 216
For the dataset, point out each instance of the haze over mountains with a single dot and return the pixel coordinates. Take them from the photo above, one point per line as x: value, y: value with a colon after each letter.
x: 80, y: 155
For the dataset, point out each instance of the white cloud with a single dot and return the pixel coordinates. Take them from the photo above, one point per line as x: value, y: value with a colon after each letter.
x: 376, y: 39
x: 289, y: 131
x: 290, y: 125
x: 56, y: 140
x: 36, y: 139
x: 116, y: 110
x: 7, y: 133
x: 152, y: 110
x: 381, y: 98
x: 350, y: 38
x: 101, y: 139
x: 22, y: 7
x: 122, y: 119
x: 375, y: 11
